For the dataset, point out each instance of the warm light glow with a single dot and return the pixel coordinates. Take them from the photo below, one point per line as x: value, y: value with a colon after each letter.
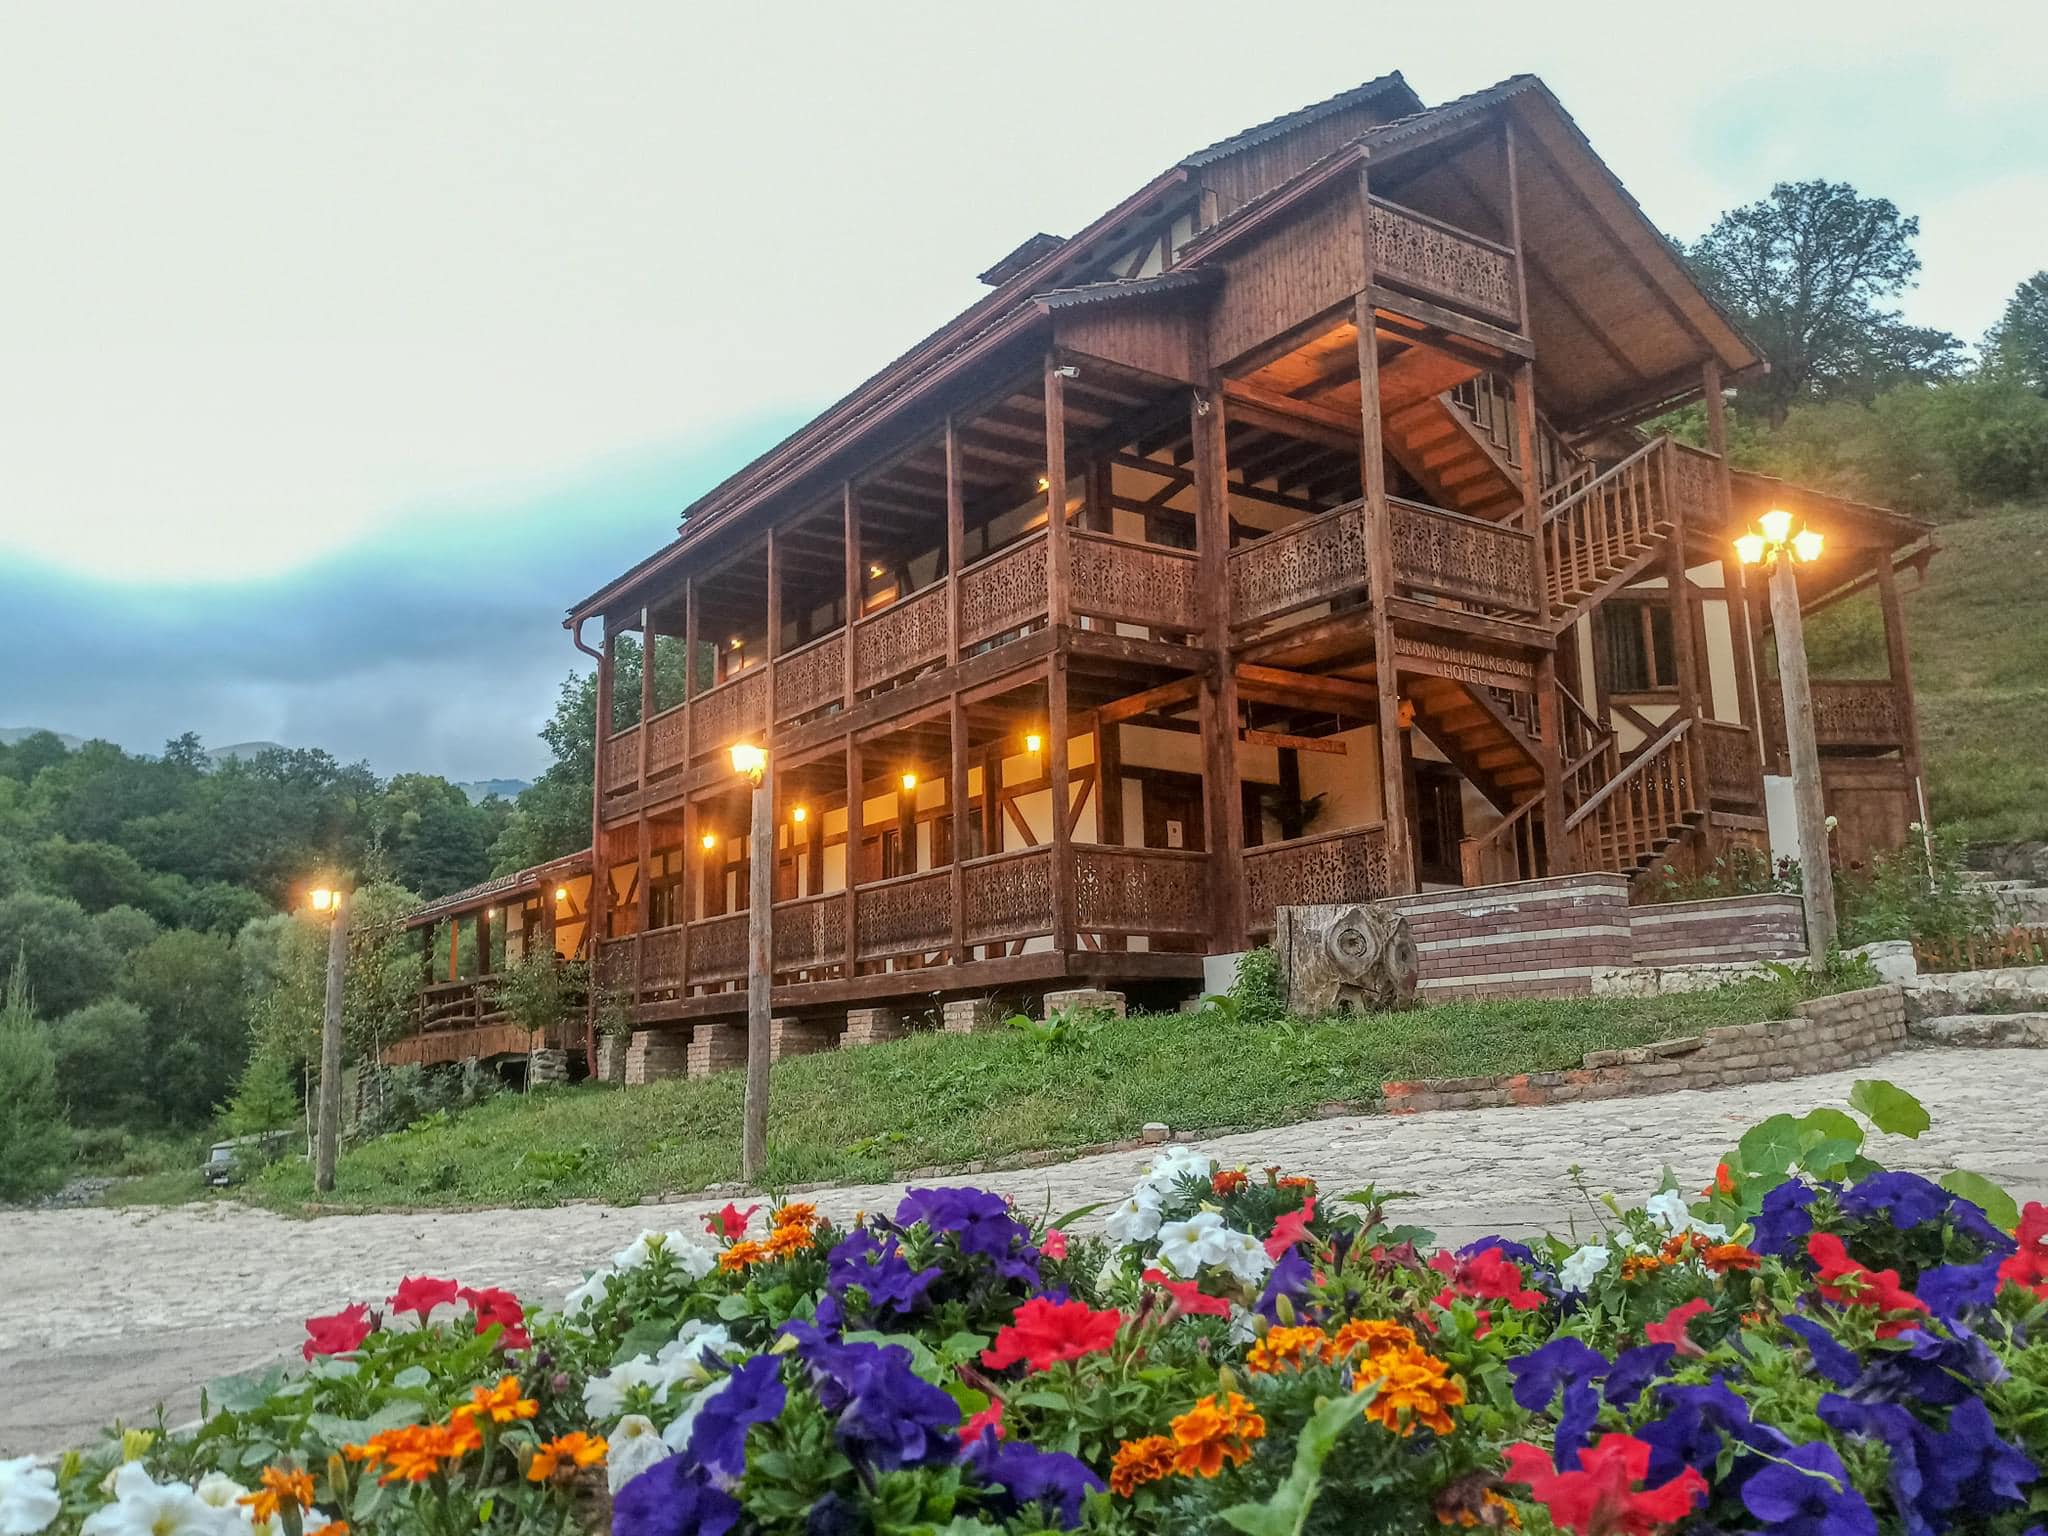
x: 875, y: 571
x: 561, y: 893
x: 490, y: 911
x: 1033, y: 742
x: 750, y: 760
x: 710, y: 841
x: 1806, y: 545
x: 1749, y: 549
x: 798, y: 814
x: 322, y: 899
x: 1776, y: 524
x: 1044, y: 484
x: 736, y: 642
x: 909, y: 782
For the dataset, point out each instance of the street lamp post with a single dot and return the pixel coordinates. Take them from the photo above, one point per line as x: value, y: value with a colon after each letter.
x: 1777, y: 544
x: 333, y: 901
x: 751, y: 763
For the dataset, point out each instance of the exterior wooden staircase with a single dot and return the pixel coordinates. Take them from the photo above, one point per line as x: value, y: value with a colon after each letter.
x: 1480, y: 732
x: 1460, y: 460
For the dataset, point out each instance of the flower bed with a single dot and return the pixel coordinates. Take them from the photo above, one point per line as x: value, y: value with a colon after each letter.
x: 1811, y: 1344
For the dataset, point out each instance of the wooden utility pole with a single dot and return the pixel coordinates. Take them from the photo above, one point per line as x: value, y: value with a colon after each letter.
x: 1816, y: 875
x: 327, y: 1143
x: 760, y: 973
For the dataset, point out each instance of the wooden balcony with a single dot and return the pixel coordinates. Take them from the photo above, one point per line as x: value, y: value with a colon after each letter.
x: 460, y: 1021
x: 1854, y: 718
x: 1439, y: 261
x: 1326, y: 867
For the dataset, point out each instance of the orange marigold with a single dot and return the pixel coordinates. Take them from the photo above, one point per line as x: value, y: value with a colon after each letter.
x: 1228, y: 1181
x: 278, y: 1487
x: 500, y: 1404
x: 744, y: 1254
x: 788, y: 1242
x: 1413, y: 1389
x: 1138, y: 1462
x: 798, y: 1213
x: 1295, y: 1181
x: 331, y: 1528
x: 567, y: 1453
x: 415, y: 1453
x: 1214, y: 1431
x: 1679, y: 1244
x: 1284, y: 1348
x: 1722, y: 1258
x: 1496, y: 1512
x: 1373, y: 1335
x: 1636, y: 1265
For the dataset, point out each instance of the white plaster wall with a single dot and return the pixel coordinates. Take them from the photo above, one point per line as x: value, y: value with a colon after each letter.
x: 1781, y: 816
x: 1352, y: 781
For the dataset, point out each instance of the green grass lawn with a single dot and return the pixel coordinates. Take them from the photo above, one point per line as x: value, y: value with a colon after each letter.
x: 873, y: 1113
x: 1978, y: 632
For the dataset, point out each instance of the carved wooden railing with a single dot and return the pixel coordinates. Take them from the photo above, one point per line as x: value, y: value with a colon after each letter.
x: 810, y: 932
x: 1157, y: 892
x: 1413, y: 250
x: 1004, y: 593
x: 1594, y: 534
x: 665, y: 746
x: 1007, y: 896
x: 1488, y: 401
x: 810, y: 677
x: 1588, y: 756
x: 736, y: 708
x: 718, y: 949
x: 905, y: 916
x: 622, y: 759
x: 1510, y: 850
x: 1136, y: 583
x: 1323, y: 868
x: 903, y: 638
x: 1466, y: 559
x: 1313, y: 561
x: 1638, y: 812
x: 1859, y: 714
x: 1734, y: 774
x: 661, y: 962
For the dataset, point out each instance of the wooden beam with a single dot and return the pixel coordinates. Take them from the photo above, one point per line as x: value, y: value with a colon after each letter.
x: 1448, y: 327
x: 1277, y: 685
x: 1180, y: 691
x: 1301, y: 419
x: 1320, y: 744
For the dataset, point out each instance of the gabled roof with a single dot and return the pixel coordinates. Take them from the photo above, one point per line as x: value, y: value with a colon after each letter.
x: 1391, y: 89
x: 1124, y: 288
x: 1031, y: 251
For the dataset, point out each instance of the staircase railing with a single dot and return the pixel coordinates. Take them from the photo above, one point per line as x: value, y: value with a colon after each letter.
x: 1599, y: 529
x: 1588, y: 754
x: 1637, y: 813
x: 1488, y: 400
x: 1510, y: 850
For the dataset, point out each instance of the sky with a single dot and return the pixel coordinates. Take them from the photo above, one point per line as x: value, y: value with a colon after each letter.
x: 343, y: 347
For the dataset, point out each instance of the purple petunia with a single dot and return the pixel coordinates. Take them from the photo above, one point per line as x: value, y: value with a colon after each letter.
x: 1832, y: 1358
x: 1784, y: 1220
x: 980, y: 1223
x: 1290, y: 1278
x: 1937, y: 1370
x: 1027, y: 1476
x: 1563, y: 1362
x: 1952, y: 1289
x: 1518, y: 1252
x: 886, y: 1415
x: 1806, y: 1493
x: 880, y: 1270
x: 1634, y: 1369
x: 752, y: 1395
x: 1906, y: 1200
x: 672, y: 1498
x: 1692, y: 1430
x: 1937, y: 1474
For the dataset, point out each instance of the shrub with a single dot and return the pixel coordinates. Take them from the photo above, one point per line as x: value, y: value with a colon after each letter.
x: 70, y: 962
x: 1741, y: 871
x: 406, y: 1095
x: 125, y: 929
x: 266, y: 1098
x: 1904, y: 894
x: 99, y: 1048
x: 190, y: 986
x: 35, y: 1141
x: 1258, y: 988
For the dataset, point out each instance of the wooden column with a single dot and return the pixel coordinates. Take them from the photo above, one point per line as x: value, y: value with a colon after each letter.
x: 688, y: 900
x: 1058, y: 550
x: 454, y: 950
x: 599, y: 920
x: 1109, y: 784
x: 1899, y: 668
x: 1809, y: 803
x: 1549, y: 715
x: 854, y: 814
x: 1057, y: 781
x: 956, y: 536
x: 992, y: 799
x: 853, y: 585
x: 481, y: 928
x: 906, y: 830
x: 1379, y: 559
x: 760, y: 954
x: 1223, y: 819
x: 643, y: 831
x: 1734, y: 575
x: 956, y: 807
x: 1685, y: 652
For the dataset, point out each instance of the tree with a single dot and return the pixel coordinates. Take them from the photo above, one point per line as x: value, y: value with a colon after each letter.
x: 95, y: 875
x: 1809, y: 272
x: 435, y: 837
x: 190, y: 986
x: 125, y: 929
x: 99, y: 1048
x: 70, y: 962
x: 2017, y: 348
x: 35, y: 1140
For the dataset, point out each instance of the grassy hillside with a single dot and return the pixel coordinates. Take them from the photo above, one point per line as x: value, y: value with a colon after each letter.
x: 1979, y: 633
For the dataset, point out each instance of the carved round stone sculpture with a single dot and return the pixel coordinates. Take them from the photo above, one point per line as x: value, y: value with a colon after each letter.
x: 1354, y: 956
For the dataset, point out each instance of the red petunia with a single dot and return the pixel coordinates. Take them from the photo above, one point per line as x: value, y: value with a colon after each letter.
x: 1488, y: 1273
x: 1054, y: 1244
x: 729, y: 1221
x: 1044, y: 1332
x: 338, y: 1333
x: 1187, y: 1295
x: 990, y: 1418
x: 2028, y: 1265
x: 1291, y: 1229
x: 1601, y: 1498
x: 493, y: 1305
x: 1672, y: 1330
x: 1848, y: 1283
x: 419, y: 1295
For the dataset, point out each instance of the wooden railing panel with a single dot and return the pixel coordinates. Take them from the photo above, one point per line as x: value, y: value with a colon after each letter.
x: 1004, y: 592
x: 736, y: 709
x: 665, y: 746
x: 1135, y: 583
x: 622, y: 759
x: 1601, y: 528
x: 1328, y: 867
x: 810, y: 932
x: 1309, y: 562
x: 810, y: 677
x: 1734, y: 773
x: 718, y: 949
x: 1510, y: 850
x: 1412, y: 250
x: 1468, y: 559
x: 900, y: 639
x: 909, y: 915
x: 1162, y: 891
x: 1853, y: 713
x: 661, y: 960
x: 1008, y: 896
x: 615, y: 964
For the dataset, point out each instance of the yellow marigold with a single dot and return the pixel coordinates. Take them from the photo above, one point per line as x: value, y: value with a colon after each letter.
x: 1138, y: 1462
x: 567, y: 1453
x: 278, y: 1487
x: 1214, y: 1431
x: 787, y: 1242
x: 1285, y: 1348
x: 798, y: 1213
x: 501, y: 1404
x: 1413, y: 1389
x: 1373, y: 1335
x: 744, y: 1254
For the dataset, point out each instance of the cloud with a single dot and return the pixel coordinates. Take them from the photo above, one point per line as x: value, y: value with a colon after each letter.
x: 434, y: 646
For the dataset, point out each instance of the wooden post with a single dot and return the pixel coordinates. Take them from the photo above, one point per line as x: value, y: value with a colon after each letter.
x: 760, y: 970
x: 1379, y: 560
x: 851, y: 512
x: 992, y: 800
x: 327, y: 1146
x: 1058, y: 550
x: 956, y: 537
x: 1223, y: 821
x: 1685, y: 653
x: 1817, y: 878
x: 1109, y: 784
x: 596, y: 920
x: 1899, y: 668
x: 956, y: 807
x: 643, y: 832
x: 1057, y: 781
x: 855, y: 814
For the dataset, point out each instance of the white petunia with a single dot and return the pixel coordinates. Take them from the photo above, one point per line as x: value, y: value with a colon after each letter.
x: 690, y: 1256
x: 604, y: 1397
x: 1185, y: 1246
x: 1667, y: 1208
x: 584, y: 1296
x: 677, y: 1436
x: 144, y: 1507
x: 633, y: 1446
x: 1136, y: 1219
x: 1577, y: 1272
x: 1166, y: 1171
x: 28, y: 1496
x: 1244, y: 1256
x: 687, y: 1357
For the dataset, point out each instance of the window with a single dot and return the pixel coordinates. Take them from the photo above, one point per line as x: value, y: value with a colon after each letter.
x: 1641, y: 655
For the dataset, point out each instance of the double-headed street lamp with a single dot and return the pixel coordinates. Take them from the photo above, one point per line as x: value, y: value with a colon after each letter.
x: 330, y: 902
x: 751, y: 763
x: 1780, y: 542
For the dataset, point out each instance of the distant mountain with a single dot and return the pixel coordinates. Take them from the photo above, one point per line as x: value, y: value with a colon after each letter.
x: 10, y: 734
x: 239, y: 751
x: 483, y: 789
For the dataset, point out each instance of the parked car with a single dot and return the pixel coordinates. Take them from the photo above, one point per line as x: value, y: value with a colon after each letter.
x: 229, y: 1162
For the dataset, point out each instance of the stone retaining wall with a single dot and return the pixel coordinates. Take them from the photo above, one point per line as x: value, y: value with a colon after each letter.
x: 1828, y: 1034
x: 1724, y: 929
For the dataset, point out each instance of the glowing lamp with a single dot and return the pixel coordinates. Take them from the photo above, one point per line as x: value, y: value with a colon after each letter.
x: 875, y: 571
x: 1044, y: 484
x: 1033, y: 742
x: 1806, y: 545
x: 323, y: 899
x: 710, y: 841
x: 736, y: 642
x: 909, y: 782
x: 561, y: 893
x: 749, y: 760
x: 1776, y: 525
x: 798, y: 815
x: 1749, y: 549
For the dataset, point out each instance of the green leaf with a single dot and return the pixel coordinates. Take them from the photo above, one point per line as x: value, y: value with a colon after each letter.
x: 1833, y: 1125
x: 1827, y: 1158
x: 1771, y: 1146
x: 412, y: 1376
x: 1889, y: 1107
x: 1067, y: 1220
x: 1286, y: 1512
x: 2003, y: 1210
